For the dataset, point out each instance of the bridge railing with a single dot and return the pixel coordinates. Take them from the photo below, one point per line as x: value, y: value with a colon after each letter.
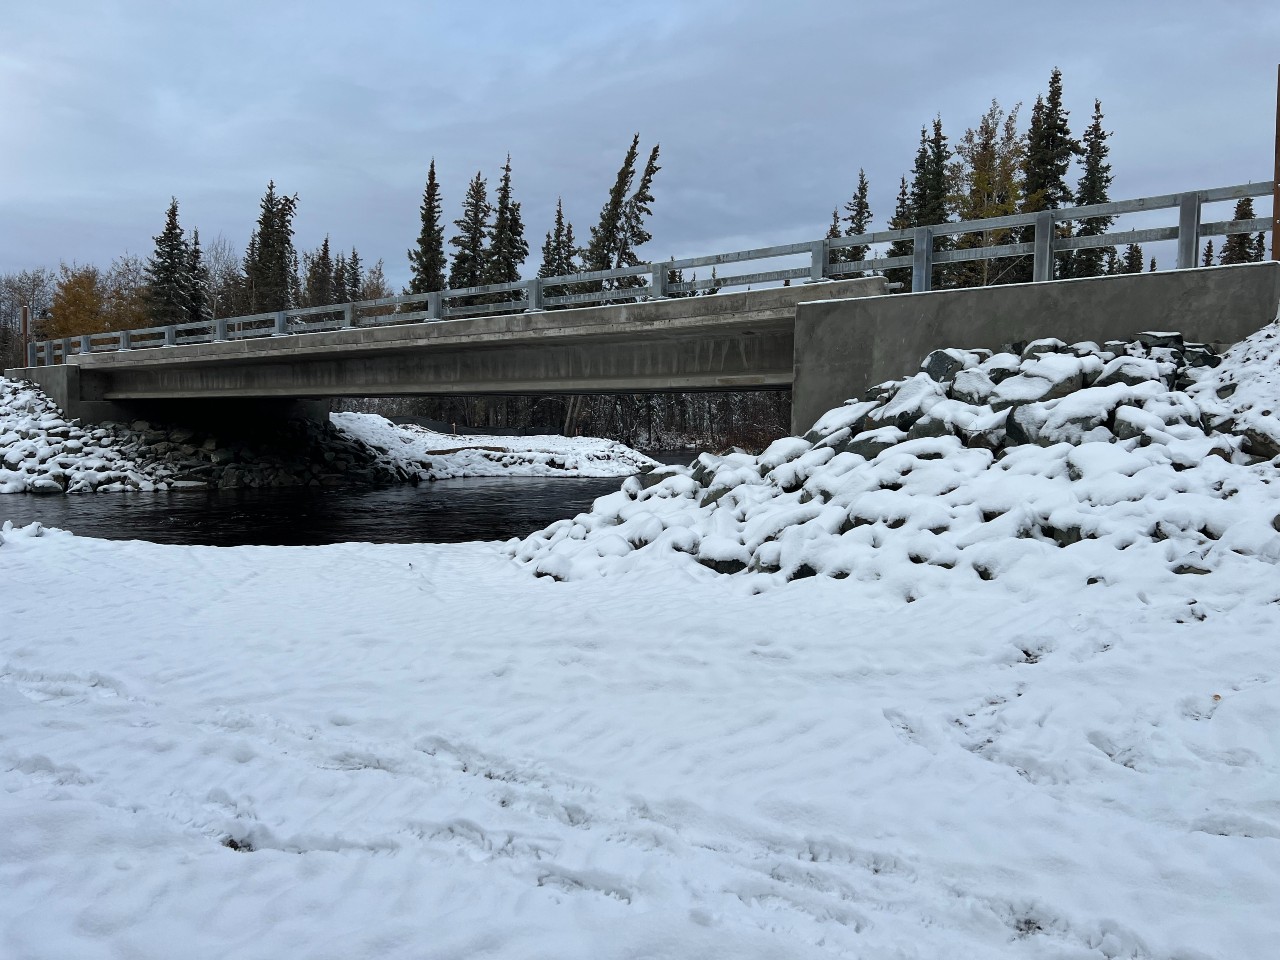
x: 1041, y: 236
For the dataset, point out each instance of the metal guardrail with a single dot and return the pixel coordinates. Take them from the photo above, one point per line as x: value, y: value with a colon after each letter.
x: 541, y: 293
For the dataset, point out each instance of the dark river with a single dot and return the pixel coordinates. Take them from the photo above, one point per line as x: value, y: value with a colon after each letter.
x: 445, y: 511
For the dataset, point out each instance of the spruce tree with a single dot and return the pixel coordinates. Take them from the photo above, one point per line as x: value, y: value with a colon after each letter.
x: 1050, y: 148
x: 340, y: 294
x: 559, y: 253
x: 355, y: 277
x: 318, y: 291
x: 607, y: 240
x: 1093, y: 187
x: 270, y: 264
x: 1153, y: 265
x: 857, y: 219
x: 1241, y: 247
x: 199, y: 308
x: 1111, y: 265
x: 507, y: 249
x: 986, y: 180
x: 468, y: 267
x: 901, y: 220
x: 834, y: 233
x: 930, y: 191
x: 426, y: 259
x: 169, y: 274
x: 1131, y: 262
x: 1207, y: 259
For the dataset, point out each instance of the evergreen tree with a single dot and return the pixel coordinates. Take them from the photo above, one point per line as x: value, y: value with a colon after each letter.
x: 270, y: 264
x: 1259, y: 247
x: 507, y: 247
x: 559, y: 253
x: 340, y: 294
x: 901, y: 220
x: 355, y: 277
x: 1153, y: 265
x: 426, y: 259
x: 621, y: 228
x: 857, y: 219
x: 318, y: 291
x: 199, y: 307
x: 1093, y: 187
x: 1207, y: 259
x: 930, y: 193
x: 1240, y: 247
x: 833, y: 233
x: 1050, y: 148
x: 1112, y: 264
x: 468, y: 267
x: 604, y: 250
x: 168, y: 274
x: 1131, y: 262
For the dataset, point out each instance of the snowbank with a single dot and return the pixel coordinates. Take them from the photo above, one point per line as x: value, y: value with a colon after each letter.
x: 1138, y: 462
x: 439, y: 456
x: 42, y: 452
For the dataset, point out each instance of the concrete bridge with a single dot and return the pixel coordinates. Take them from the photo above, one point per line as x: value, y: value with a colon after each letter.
x: 826, y: 338
x: 825, y: 341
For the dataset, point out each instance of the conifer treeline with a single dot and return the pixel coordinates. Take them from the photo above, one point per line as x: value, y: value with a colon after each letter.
x: 994, y: 170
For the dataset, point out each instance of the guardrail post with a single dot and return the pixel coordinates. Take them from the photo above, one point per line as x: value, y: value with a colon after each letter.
x: 819, y: 259
x: 31, y: 355
x: 126, y: 340
x: 348, y: 315
x: 66, y: 349
x: 220, y: 329
x: 1042, y: 259
x: 282, y: 324
x: 1188, y: 230
x: 534, y: 295
x: 86, y: 344
x: 922, y: 260
x: 48, y: 353
x: 658, y: 281
x: 435, y: 305
x: 170, y: 336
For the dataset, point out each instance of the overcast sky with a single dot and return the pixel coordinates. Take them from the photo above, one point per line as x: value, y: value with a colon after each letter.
x: 764, y: 110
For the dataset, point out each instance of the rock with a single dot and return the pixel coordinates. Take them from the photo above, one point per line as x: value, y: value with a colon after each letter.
x: 654, y: 477
x: 1038, y: 348
x: 943, y: 365
x: 45, y: 486
x: 972, y: 386
x: 1151, y: 339
x: 221, y: 456
x: 870, y: 443
x: 139, y: 426
x: 1259, y: 444
x: 1022, y: 425
x: 1128, y: 370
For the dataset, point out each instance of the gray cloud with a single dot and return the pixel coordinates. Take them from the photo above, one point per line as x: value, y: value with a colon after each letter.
x: 765, y: 110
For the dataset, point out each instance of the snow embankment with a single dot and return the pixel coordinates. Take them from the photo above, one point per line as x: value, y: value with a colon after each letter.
x: 1142, y: 460
x: 43, y: 452
x: 439, y: 456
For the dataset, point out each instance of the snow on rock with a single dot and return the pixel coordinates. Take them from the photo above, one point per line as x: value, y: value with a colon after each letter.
x: 42, y: 452
x: 437, y: 456
x: 1146, y: 458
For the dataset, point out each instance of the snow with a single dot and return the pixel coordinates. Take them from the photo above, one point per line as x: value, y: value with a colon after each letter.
x: 965, y: 695
x: 438, y: 456
x: 43, y: 452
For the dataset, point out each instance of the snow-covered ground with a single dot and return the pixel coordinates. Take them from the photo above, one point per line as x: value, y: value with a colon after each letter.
x: 949, y: 725
x: 41, y: 451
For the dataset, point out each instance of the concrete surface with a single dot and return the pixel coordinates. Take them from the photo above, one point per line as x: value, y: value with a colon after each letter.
x: 846, y: 346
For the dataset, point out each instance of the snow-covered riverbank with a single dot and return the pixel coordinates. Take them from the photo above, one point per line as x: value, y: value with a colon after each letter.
x: 42, y: 452
x: 1020, y: 699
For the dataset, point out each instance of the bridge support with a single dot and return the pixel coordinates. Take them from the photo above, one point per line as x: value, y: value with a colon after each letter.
x: 843, y: 347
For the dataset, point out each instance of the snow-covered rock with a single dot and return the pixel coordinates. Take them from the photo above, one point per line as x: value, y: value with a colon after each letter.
x: 1155, y: 448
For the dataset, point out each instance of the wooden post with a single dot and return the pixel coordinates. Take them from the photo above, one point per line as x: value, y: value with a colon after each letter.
x: 26, y: 327
x: 1275, y: 184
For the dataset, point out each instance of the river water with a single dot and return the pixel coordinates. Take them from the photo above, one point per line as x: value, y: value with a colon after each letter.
x: 443, y: 511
